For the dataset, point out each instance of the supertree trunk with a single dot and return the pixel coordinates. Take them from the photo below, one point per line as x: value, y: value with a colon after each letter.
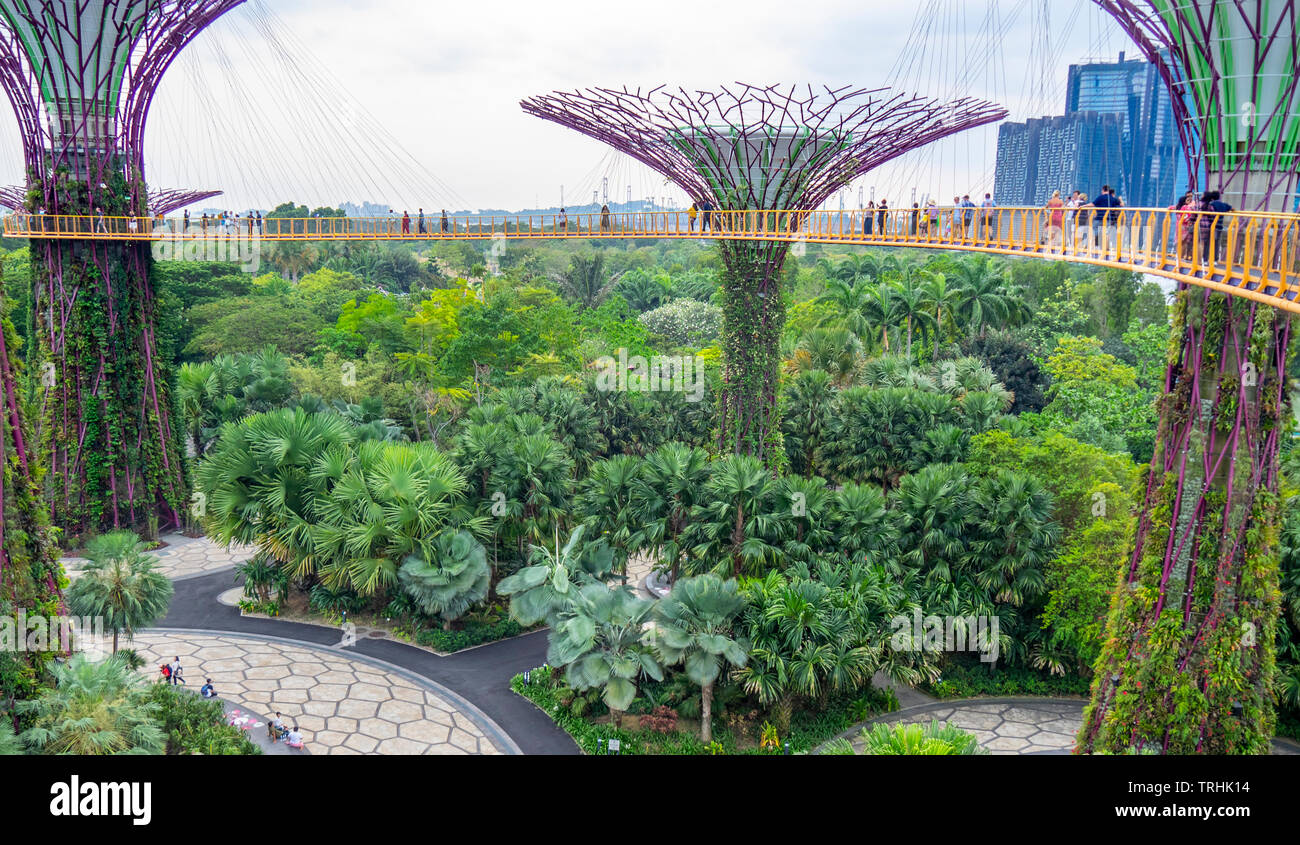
x: 1188, y: 662
x: 753, y: 317
x: 30, y: 572
x: 107, y: 421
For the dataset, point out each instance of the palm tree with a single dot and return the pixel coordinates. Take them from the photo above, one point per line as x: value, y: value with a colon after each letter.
x: 586, y: 281
x: 598, y: 638
x: 196, y: 386
x: 539, y: 591
x: 607, y: 503
x: 454, y: 579
x: 738, y: 522
x: 880, y: 309
x: 942, y: 297
x: 670, y: 484
x: 985, y: 295
x: 837, y: 352
x: 1015, y: 537
x: 120, y: 584
x: 694, y: 626
x: 848, y: 306
x: 93, y: 709
x: 912, y: 308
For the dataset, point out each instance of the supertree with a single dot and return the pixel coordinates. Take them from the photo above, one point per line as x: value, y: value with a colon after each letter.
x: 779, y: 150
x: 81, y: 76
x: 1188, y: 660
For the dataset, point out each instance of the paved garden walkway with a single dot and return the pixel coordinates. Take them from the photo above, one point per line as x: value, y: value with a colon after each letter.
x: 185, y: 557
x: 345, y: 703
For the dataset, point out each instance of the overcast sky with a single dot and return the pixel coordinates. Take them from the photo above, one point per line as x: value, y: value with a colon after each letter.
x: 442, y: 81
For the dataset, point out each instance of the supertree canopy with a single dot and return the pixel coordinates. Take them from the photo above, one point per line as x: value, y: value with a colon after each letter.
x: 1189, y: 656
x: 1231, y: 67
x: 776, y: 149
x: 81, y: 75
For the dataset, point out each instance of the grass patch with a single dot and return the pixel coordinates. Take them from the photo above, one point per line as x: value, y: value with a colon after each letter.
x: 808, y: 729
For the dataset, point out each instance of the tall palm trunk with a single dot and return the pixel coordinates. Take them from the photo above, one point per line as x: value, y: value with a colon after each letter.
x: 706, y: 713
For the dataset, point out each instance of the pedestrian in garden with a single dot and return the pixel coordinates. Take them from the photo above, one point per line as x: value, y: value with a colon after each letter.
x: 275, y: 727
x: 294, y: 738
x: 207, y: 690
x: 178, y: 672
x: 101, y: 226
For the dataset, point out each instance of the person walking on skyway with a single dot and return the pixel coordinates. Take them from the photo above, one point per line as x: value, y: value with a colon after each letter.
x: 690, y: 216
x: 423, y: 227
x: 604, y: 218
x: 444, y: 221
x: 406, y: 223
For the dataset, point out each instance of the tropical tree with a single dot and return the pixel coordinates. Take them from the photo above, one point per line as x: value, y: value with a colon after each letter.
x: 912, y: 309
x: 694, y: 626
x: 598, y: 638
x: 538, y: 592
x: 586, y: 282
x: 121, y: 584
x: 94, y: 708
x: 606, y: 502
x: 810, y: 403
x: 836, y: 351
x: 986, y: 298
x: 452, y: 581
x: 943, y: 298
x: 803, y: 642
x: 668, y: 488
x: 739, y: 523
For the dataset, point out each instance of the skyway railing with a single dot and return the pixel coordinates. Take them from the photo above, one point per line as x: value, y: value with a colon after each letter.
x: 1252, y: 255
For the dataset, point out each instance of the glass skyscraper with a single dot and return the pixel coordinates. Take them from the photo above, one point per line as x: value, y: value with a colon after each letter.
x: 1118, y: 129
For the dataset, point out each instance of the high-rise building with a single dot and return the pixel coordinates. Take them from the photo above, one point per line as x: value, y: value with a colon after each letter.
x: 1118, y: 129
x: 1063, y: 153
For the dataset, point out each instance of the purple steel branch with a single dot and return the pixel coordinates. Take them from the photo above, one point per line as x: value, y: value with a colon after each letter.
x: 882, y: 125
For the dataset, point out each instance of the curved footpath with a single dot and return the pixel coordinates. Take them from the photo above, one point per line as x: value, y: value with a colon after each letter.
x: 365, y: 697
x: 478, y: 678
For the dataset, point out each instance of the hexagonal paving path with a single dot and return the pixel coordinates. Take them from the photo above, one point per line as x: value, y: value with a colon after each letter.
x: 345, y: 703
x: 185, y: 557
x: 1003, y: 726
x: 1009, y: 725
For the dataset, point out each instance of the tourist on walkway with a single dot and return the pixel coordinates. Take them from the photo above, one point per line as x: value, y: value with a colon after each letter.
x: 406, y: 223
x: 967, y: 216
x: 1220, y: 209
x: 178, y: 672
x: 869, y: 219
x: 690, y: 215
x: 1055, y: 222
x: 1104, y: 223
x: 604, y: 219
x: 986, y: 216
x: 916, y: 216
x: 423, y: 227
x: 564, y: 220
x: 207, y: 690
x: 882, y: 217
x: 1184, y: 208
x: 275, y: 727
x: 444, y: 221
x: 294, y: 738
x: 706, y: 216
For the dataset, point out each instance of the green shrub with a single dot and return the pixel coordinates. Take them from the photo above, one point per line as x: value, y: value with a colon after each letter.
x: 961, y: 681
x: 195, y: 725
